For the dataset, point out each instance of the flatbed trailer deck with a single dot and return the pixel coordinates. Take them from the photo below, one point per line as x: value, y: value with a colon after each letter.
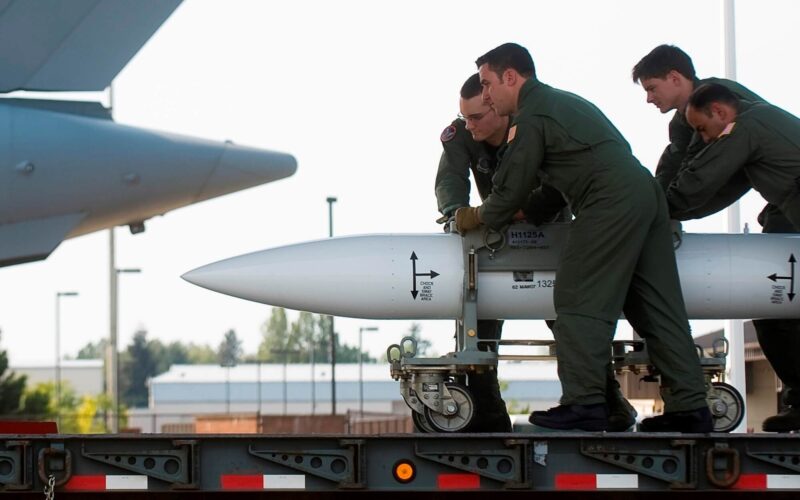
x: 562, y: 465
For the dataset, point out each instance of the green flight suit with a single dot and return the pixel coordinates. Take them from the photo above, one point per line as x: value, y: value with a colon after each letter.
x: 619, y: 255
x: 764, y: 144
x: 462, y: 155
x: 684, y: 142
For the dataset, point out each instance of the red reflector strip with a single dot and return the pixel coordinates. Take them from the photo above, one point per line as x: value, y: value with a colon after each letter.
x: 597, y: 481
x: 241, y: 482
x: 263, y: 482
x: 103, y: 483
x: 458, y: 481
x: 576, y: 482
x: 86, y: 483
x: 767, y: 482
x: 751, y: 482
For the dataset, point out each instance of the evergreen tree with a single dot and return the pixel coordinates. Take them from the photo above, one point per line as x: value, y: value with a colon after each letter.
x: 230, y: 350
x: 137, y: 364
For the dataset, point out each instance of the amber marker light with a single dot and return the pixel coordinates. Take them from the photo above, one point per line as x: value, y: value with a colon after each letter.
x: 404, y: 471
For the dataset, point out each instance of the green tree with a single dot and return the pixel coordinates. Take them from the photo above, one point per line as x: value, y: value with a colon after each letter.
x: 138, y: 363
x: 75, y: 415
x: 303, y: 335
x: 93, y: 350
x: 230, y: 349
x: 323, y: 347
x: 12, y: 386
x: 307, y: 336
x: 38, y: 402
x: 175, y: 353
x: 423, y: 345
x: 274, y: 333
x: 201, y: 354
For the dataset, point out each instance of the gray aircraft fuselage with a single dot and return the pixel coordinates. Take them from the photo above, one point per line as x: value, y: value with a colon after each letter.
x: 67, y: 169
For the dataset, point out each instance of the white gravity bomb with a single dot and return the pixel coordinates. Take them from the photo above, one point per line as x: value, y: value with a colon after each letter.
x: 424, y: 276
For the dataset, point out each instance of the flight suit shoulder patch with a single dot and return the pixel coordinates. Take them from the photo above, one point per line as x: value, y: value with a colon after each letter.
x: 727, y: 130
x: 448, y: 134
x: 512, y: 132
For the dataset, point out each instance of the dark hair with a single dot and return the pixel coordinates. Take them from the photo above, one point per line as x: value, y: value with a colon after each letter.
x: 708, y: 93
x: 660, y: 61
x: 509, y: 56
x: 472, y: 87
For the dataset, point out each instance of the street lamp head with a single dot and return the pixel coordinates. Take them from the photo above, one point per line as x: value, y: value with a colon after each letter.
x: 66, y: 294
x: 129, y: 270
x: 368, y: 328
x: 331, y: 199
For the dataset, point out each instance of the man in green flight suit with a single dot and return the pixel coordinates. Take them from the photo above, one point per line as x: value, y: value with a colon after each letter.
x: 471, y: 144
x: 619, y: 256
x: 668, y: 76
x: 763, y: 142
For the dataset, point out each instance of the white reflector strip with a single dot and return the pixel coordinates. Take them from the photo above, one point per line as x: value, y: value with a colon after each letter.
x: 617, y: 481
x: 126, y: 482
x: 783, y: 482
x: 284, y: 482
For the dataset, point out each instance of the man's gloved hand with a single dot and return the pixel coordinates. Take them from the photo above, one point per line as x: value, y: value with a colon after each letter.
x: 467, y: 218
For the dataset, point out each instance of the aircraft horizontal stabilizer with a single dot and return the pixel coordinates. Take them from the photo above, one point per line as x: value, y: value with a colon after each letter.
x: 35, y: 239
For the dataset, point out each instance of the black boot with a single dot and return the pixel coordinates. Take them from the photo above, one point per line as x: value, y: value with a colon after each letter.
x: 621, y: 414
x: 692, y: 421
x: 573, y: 417
x: 786, y: 421
x: 491, y: 414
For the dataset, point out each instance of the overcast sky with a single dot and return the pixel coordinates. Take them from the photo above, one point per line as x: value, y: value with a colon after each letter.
x: 359, y: 92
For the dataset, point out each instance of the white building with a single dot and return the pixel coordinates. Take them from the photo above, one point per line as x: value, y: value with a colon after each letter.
x: 188, y: 390
x: 84, y: 376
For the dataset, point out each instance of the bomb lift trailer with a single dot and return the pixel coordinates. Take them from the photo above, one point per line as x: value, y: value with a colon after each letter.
x: 435, y: 389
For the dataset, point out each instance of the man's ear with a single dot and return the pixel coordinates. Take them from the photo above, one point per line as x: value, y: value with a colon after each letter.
x: 720, y: 110
x: 510, y: 76
x: 674, y: 77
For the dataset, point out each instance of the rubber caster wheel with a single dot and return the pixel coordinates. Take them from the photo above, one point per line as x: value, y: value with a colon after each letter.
x: 421, y: 425
x: 726, y: 405
x: 463, y: 415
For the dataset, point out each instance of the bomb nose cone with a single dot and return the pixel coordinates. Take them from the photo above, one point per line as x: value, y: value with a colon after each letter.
x: 357, y: 276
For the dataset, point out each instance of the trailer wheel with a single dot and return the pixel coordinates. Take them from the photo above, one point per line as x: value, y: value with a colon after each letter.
x: 459, y: 420
x: 421, y: 424
x: 726, y: 405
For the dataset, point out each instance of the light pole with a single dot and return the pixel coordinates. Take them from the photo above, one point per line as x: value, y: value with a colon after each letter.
x: 361, y: 330
x: 258, y: 388
x: 58, y: 348
x: 112, y: 355
x: 228, y: 365
x: 331, y: 200
x: 285, y: 353
x: 312, y: 346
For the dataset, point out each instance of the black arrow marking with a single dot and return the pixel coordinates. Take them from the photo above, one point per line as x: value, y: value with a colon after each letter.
x: 775, y: 277
x: 414, y: 273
